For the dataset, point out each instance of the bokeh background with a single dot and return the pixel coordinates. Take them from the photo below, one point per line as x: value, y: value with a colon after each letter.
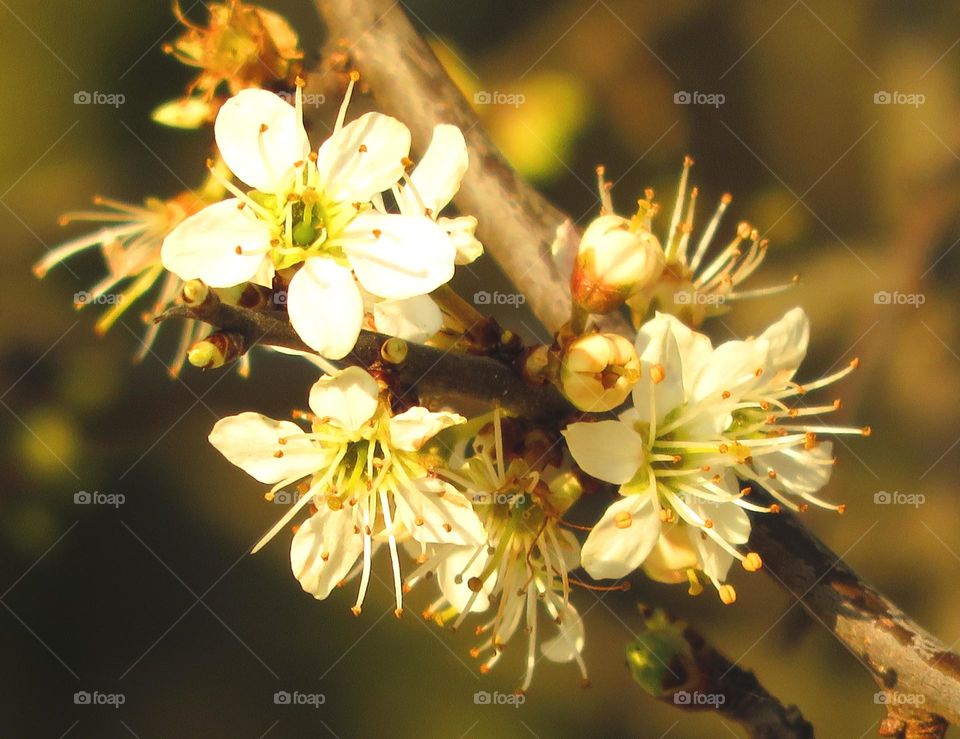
x: 156, y: 599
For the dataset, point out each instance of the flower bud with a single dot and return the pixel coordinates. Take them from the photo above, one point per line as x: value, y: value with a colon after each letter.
x: 194, y: 293
x: 598, y: 371
x: 613, y: 261
x: 661, y: 658
x: 394, y: 351
x: 216, y: 350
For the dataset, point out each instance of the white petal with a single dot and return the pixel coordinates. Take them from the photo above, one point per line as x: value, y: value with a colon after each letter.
x: 263, y: 159
x: 731, y: 523
x: 660, y: 354
x: 265, y: 274
x: 569, y: 547
x: 695, y: 349
x: 729, y: 520
x: 363, y: 158
x: 732, y: 368
x: 715, y: 561
x: 462, y: 232
x: 397, y: 256
x: 328, y: 533
x: 251, y: 441
x: 430, y: 506
x: 673, y: 554
x: 412, y: 429
x: 568, y: 644
x: 310, y: 357
x: 325, y: 307
x: 513, y: 605
x: 566, y: 244
x: 797, y: 470
x: 204, y: 246
x: 612, y: 550
x: 607, y: 450
x: 787, y: 342
x: 413, y: 319
x: 436, y: 178
x: 349, y: 398
x: 453, y: 575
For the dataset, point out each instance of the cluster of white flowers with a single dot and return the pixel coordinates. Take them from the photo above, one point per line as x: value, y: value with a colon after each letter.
x: 351, y: 236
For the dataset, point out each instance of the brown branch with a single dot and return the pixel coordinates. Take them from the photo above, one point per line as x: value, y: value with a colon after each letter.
x: 517, y: 227
x: 400, y: 68
x: 461, y: 376
x: 746, y: 701
x: 674, y: 663
x: 918, y: 677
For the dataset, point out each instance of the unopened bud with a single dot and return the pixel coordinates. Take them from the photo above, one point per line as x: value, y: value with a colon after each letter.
x: 394, y: 351
x: 598, y: 371
x: 215, y: 350
x: 194, y: 292
x: 205, y: 355
x: 613, y: 261
x: 187, y: 113
x: 536, y: 364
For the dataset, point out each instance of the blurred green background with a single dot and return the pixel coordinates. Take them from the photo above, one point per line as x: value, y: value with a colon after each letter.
x: 155, y: 599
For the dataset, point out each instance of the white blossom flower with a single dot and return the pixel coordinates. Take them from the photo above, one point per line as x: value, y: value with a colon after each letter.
x: 703, y: 417
x: 524, y: 560
x: 365, y: 475
x: 312, y: 211
x: 129, y: 241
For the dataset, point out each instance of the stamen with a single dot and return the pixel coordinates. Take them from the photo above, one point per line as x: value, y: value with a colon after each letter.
x: 342, y: 114
x: 603, y: 187
x: 672, y: 235
x: 708, y: 234
x: 394, y: 557
x: 367, y: 557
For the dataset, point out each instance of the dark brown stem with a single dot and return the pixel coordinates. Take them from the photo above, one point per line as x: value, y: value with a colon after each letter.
x: 747, y: 701
x: 734, y: 692
x: 426, y: 371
